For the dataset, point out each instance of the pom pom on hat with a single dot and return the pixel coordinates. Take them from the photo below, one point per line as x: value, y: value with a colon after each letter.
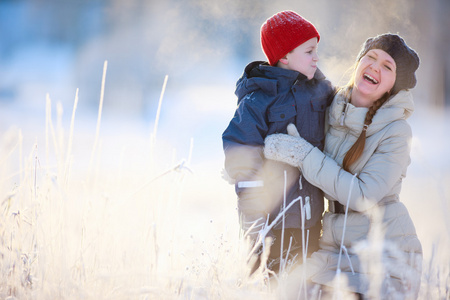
x: 283, y: 32
x: 406, y: 59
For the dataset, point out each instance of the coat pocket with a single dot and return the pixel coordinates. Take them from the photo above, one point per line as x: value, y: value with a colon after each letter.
x: 318, y: 108
x: 280, y: 116
x: 319, y: 105
x: 357, y: 229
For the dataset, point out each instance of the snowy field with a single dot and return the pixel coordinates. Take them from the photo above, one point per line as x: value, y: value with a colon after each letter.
x: 140, y: 211
x: 117, y: 199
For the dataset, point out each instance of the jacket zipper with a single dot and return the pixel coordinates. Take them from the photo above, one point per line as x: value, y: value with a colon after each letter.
x: 341, y: 122
x: 341, y: 119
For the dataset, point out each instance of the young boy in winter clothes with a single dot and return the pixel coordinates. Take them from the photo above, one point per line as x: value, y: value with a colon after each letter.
x: 289, y: 88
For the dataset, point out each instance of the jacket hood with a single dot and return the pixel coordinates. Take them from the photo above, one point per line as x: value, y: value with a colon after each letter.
x: 259, y: 75
x: 344, y: 114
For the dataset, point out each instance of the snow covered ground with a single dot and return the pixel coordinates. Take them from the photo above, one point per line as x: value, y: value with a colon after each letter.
x: 119, y: 217
x: 127, y: 213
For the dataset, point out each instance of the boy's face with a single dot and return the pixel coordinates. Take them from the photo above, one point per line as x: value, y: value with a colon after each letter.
x: 302, y: 59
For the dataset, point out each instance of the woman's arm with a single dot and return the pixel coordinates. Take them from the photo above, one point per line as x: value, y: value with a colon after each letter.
x: 375, y: 180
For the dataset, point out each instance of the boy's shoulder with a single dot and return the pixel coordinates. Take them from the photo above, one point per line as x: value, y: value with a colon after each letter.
x: 323, y: 85
x: 320, y: 77
x: 260, y: 98
x: 256, y: 81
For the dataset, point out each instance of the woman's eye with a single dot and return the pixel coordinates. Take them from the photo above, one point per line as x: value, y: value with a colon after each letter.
x: 387, y: 67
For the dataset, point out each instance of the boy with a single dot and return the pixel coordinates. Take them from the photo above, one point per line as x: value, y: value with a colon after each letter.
x: 287, y: 89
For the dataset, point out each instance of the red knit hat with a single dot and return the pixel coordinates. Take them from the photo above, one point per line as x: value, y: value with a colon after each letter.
x: 283, y: 32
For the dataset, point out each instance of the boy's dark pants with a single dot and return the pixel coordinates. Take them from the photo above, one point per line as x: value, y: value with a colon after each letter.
x: 295, y: 250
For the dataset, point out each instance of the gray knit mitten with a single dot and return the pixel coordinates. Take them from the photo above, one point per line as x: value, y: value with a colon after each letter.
x: 287, y: 148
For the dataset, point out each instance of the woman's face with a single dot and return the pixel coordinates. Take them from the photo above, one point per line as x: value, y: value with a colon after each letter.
x: 374, y: 76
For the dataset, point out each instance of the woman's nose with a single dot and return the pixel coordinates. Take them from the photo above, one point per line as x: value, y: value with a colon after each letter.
x: 375, y: 67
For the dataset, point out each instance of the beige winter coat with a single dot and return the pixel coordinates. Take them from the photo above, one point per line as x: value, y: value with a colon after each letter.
x: 383, y: 249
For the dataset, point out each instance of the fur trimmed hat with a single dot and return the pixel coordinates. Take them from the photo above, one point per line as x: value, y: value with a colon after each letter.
x: 283, y: 32
x: 406, y: 59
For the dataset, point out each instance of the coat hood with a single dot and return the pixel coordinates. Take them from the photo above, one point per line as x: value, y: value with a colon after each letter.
x: 259, y: 75
x: 344, y: 114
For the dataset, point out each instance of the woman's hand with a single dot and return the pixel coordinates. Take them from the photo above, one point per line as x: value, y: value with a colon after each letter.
x: 289, y: 148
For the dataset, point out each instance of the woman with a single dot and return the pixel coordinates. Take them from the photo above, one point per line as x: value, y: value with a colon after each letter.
x: 366, y: 155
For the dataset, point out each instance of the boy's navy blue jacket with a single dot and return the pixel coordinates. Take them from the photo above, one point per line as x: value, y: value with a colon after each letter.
x: 270, y: 98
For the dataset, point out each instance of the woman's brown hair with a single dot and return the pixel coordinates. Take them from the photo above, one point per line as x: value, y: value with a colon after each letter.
x: 357, y: 149
x: 407, y: 62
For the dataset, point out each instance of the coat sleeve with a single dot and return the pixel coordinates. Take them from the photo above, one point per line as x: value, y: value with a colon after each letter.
x: 243, y: 139
x: 384, y: 169
x: 244, y: 159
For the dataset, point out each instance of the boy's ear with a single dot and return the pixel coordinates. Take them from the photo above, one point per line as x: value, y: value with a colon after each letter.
x: 284, y: 60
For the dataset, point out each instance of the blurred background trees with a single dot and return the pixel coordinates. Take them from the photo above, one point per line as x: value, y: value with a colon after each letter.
x: 54, y: 46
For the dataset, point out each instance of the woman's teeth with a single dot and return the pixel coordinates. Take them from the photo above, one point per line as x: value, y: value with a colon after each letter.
x: 370, y: 78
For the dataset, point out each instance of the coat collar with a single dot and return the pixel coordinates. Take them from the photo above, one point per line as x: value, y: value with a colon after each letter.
x: 259, y: 75
x: 345, y: 115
